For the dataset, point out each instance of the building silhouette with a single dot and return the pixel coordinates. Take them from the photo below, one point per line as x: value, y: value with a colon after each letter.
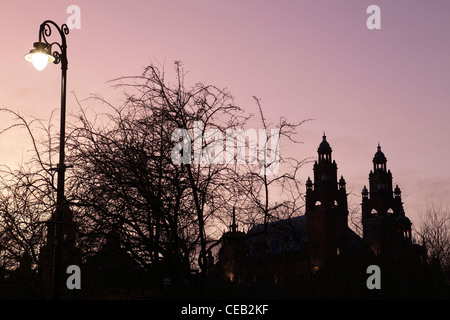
x: 314, y: 255
x: 326, y: 209
x: 317, y: 254
x: 386, y: 229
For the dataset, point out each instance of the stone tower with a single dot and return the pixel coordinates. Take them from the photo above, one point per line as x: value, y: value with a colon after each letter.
x: 326, y: 209
x: 233, y: 253
x: 385, y: 226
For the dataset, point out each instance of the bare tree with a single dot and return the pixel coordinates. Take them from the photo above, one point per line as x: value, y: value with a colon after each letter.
x: 27, y: 200
x: 434, y: 234
x: 128, y: 171
x: 270, y: 189
x: 157, y: 171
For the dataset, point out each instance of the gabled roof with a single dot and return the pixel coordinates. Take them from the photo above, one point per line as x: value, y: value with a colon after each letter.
x: 287, y: 234
x: 290, y: 233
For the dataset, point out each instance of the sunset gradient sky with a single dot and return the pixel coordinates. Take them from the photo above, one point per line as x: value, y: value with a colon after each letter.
x: 303, y: 59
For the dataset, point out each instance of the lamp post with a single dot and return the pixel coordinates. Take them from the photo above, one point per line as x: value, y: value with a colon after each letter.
x: 40, y: 56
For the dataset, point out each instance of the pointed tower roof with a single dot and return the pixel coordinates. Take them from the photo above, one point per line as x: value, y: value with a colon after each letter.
x: 324, y: 146
x: 233, y: 227
x: 379, y: 157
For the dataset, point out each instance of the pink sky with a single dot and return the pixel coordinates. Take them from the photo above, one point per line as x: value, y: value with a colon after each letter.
x: 303, y: 59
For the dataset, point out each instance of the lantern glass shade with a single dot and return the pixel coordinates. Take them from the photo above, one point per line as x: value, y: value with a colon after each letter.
x: 40, y: 56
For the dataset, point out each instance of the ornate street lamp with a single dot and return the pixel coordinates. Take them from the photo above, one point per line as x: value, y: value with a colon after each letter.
x: 40, y: 56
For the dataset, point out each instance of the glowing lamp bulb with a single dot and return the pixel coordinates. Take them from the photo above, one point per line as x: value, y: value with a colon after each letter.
x: 39, y: 56
x: 39, y: 60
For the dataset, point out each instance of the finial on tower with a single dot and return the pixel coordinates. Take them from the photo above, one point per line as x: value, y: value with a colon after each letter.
x: 233, y: 224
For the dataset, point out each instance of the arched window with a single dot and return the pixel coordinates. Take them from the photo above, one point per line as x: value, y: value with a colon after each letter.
x: 374, y: 212
x: 406, y: 233
x: 318, y: 203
